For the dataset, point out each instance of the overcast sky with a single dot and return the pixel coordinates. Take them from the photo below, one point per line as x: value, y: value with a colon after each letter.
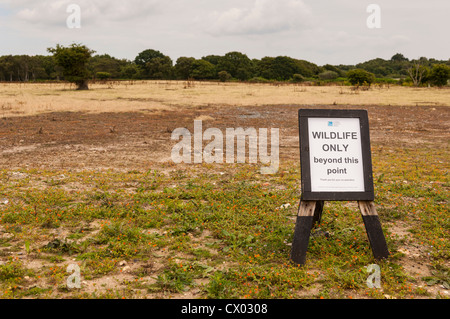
x: 319, y: 31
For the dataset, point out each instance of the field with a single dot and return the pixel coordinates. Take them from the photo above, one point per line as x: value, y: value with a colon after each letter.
x: 87, y: 179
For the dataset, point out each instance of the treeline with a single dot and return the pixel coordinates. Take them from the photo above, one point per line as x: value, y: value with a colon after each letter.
x: 152, y: 64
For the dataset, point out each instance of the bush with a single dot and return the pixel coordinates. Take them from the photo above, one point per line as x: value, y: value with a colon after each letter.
x: 103, y: 75
x: 328, y: 75
x: 297, y: 78
x: 224, y: 76
x: 440, y: 74
x: 259, y: 79
x: 360, y: 77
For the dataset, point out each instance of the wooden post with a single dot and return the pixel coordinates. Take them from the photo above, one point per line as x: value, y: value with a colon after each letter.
x: 303, y: 226
x: 318, y: 212
x: 310, y: 212
x: 373, y: 228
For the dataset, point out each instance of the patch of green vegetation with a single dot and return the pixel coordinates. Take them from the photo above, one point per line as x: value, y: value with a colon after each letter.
x: 225, y: 235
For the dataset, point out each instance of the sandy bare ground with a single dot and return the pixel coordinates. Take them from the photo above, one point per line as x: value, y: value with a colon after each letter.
x: 125, y: 140
x: 129, y: 124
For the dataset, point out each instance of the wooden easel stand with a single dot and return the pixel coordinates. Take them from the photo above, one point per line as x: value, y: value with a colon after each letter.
x: 310, y: 213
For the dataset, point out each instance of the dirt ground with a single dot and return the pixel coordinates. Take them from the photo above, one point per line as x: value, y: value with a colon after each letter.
x: 143, y: 139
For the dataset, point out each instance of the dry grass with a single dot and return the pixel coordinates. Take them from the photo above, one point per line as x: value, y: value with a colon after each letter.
x: 18, y: 99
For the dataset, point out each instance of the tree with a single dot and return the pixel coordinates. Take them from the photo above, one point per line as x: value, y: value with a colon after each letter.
x: 42, y: 67
x: 183, y: 67
x: 146, y: 56
x: 282, y: 68
x: 379, y: 67
x: 329, y: 67
x: 7, y: 67
x: 159, y: 68
x: 74, y: 62
x: 213, y: 59
x: 202, y: 69
x: 399, y: 65
x: 307, y: 69
x: 265, y: 69
x: 108, y: 64
x: 130, y: 71
x: 399, y: 58
x: 417, y: 72
x: 154, y: 64
x: 237, y: 64
x: 360, y: 77
x: 440, y: 74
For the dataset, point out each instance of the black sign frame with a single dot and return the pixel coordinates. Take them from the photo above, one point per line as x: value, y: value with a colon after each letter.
x: 307, y: 193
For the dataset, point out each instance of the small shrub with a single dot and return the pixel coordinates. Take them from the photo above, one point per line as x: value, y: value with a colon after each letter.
x: 224, y: 76
x: 328, y: 75
x: 360, y: 77
x: 13, y: 270
x: 298, y: 78
x: 259, y: 79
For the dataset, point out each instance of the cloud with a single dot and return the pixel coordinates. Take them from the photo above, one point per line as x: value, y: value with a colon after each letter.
x: 262, y: 17
x: 50, y: 13
x: 319, y: 31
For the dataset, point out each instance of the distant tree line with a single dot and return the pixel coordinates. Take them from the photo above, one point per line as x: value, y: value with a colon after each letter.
x: 152, y: 64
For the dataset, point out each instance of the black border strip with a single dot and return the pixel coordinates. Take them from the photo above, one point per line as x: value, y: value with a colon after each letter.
x: 307, y: 194
x: 276, y: 308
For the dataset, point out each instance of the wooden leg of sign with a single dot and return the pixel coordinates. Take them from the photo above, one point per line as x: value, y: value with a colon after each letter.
x: 373, y: 229
x: 318, y: 212
x: 302, y: 231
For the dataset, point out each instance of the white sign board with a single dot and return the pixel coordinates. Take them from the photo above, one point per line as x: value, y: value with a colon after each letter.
x: 336, y: 161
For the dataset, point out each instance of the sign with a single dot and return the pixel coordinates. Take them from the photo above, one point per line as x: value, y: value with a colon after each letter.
x: 336, y: 164
x: 335, y: 155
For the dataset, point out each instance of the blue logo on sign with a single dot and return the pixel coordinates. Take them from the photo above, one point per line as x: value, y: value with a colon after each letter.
x: 330, y: 123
